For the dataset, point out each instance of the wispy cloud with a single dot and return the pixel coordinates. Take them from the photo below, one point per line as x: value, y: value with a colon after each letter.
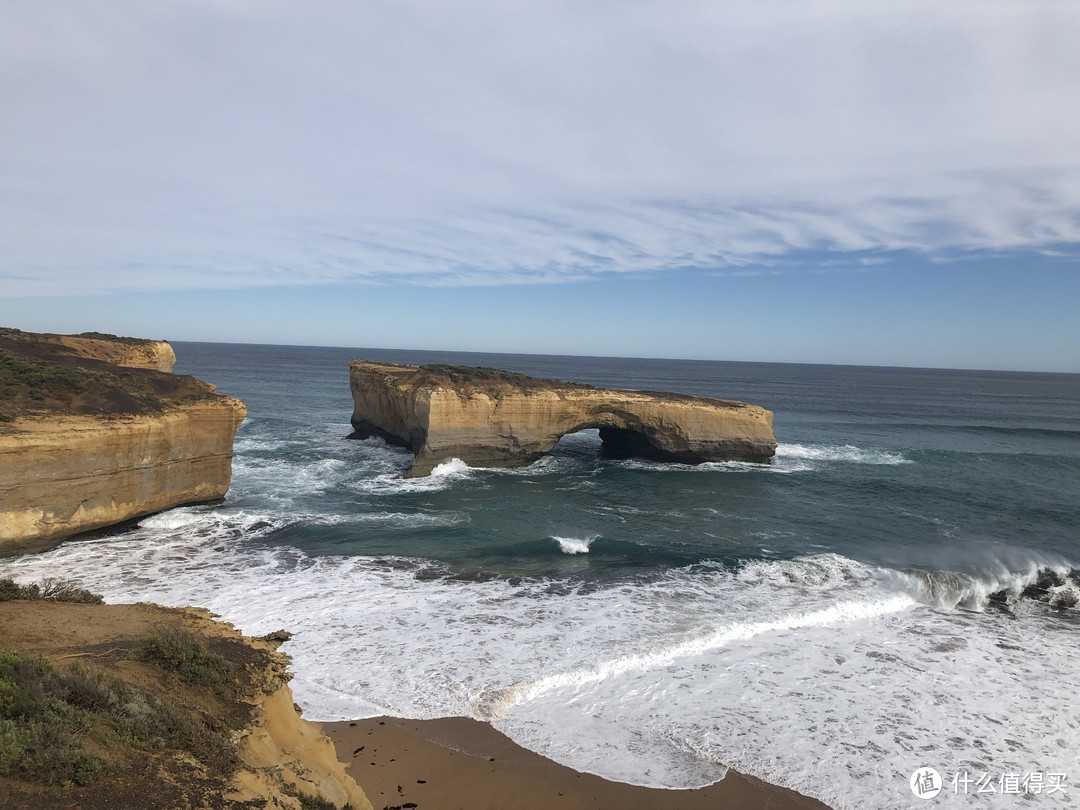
x: 226, y: 144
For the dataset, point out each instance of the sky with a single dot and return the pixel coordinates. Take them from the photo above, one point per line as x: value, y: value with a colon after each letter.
x: 883, y: 183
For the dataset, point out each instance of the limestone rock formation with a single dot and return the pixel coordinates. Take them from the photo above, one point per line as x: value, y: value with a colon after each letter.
x: 86, y: 444
x: 491, y: 418
x: 126, y: 352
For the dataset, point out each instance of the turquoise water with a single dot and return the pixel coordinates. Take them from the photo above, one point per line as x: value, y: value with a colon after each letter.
x: 832, y: 611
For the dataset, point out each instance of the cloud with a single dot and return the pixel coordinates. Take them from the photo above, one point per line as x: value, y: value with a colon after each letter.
x: 229, y: 143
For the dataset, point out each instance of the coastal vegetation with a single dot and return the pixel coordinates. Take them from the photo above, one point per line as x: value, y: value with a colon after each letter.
x: 187, y: 657
x: 97, y: 722
x: 493, y: 376
x: 56, y: 590
x: 70, y: 724
x: 114, y: 338
x: 145, y: 706
x: 41, y: 374
x: 31, y: 385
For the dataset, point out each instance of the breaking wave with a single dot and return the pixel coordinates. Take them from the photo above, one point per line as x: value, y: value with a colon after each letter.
x: 574, y: 545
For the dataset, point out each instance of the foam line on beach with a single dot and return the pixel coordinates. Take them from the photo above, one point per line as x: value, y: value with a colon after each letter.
x: 494, y: 706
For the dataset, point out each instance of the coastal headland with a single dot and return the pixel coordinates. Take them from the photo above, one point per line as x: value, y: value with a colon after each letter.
x: 492, y: 418
x: 94, y: 432
x: 123, y: 706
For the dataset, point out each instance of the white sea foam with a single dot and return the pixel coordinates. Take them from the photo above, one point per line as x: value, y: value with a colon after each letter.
x: 772, y: 669
x: 203, y: 521
x: 454, y: 466
x: 411, y: 519
x: 789, y: 458
x: 574, y: 545
x: 497, y: 705
x: 794, y: 453
x: 707, y: 466
x: 442, y: 477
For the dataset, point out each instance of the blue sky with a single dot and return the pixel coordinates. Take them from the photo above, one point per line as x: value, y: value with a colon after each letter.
x: 883, y: 183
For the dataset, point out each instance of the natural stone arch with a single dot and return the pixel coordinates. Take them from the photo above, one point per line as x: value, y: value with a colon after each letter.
x: 491, y: 418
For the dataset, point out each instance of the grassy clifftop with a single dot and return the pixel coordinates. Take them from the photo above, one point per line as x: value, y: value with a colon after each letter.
x: 142, y: 706
x: 40, y: 376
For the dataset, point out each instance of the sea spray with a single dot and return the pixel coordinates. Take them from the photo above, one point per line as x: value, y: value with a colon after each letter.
x: 574, y: 545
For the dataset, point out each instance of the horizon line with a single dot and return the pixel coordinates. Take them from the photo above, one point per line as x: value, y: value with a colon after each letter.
x: 626, y: 357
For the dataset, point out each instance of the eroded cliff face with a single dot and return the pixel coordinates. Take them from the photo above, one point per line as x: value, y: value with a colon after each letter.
x: 127, y: 353
x: 65, y: 475
x: 494, y: 419
x: 86, y: 443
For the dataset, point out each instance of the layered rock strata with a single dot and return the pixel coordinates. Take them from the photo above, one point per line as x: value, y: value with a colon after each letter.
x: 157, y: 355
x: 86, y: 444
x: 491, y: 418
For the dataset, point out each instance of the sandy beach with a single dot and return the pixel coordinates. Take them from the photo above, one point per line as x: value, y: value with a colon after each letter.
x: 457, y: 762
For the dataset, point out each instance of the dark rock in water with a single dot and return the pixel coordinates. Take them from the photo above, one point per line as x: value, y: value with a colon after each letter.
x: 259, y: 525
x: 1040, y: 588
x: 999, y: 598
x: 278, y: 636
x: 1064, y: 600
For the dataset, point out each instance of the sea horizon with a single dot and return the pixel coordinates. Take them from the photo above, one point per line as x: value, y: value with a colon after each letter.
x: 494, y: 353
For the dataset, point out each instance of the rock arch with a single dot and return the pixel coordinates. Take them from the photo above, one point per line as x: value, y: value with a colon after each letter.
x: 492, y: 418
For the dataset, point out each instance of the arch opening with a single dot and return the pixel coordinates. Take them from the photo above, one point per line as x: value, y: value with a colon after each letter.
x: 598, y: 440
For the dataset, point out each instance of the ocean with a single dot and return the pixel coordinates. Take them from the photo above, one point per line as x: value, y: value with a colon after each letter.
x: 856, y: 612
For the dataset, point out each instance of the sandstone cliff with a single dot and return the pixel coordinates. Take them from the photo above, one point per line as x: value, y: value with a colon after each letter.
x: 209, y: 724
x: 126, y: 352
x: 86, y: 444
x: 490, y: 418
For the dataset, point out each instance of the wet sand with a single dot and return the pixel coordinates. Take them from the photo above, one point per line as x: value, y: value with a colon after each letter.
x: 461, y: 764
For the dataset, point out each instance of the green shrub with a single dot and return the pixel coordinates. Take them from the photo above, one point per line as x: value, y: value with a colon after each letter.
x: 9, y: 590
x: 187, y: 657
x: 39, y: 726
x: 309, y: 802
x: 113, y: 338
x: 56, y: 590
x: 14, y: 740
x: 86, y: 768
x: 46, y: 712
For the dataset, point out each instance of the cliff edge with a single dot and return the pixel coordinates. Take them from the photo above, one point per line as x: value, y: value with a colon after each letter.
x: 492, y: 418
x: 93, y: 434
x: 110, y: 706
